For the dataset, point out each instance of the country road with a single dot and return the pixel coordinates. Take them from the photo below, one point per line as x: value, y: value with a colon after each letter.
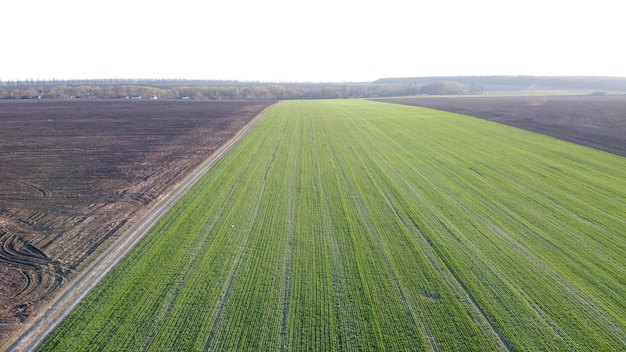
x: 71, y: 295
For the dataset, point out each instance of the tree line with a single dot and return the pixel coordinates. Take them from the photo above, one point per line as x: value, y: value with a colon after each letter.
x: 500, y: 83
x: 221, y: 90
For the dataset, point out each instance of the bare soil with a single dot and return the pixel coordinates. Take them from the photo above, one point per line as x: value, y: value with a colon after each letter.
x: 73, y: 173
x: 594, y: 121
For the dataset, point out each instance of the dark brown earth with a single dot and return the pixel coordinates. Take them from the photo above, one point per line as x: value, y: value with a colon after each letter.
x: 594, y: 121
x: 73, y: 173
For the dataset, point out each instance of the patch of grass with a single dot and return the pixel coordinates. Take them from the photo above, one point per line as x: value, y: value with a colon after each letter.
x: 349, y: 224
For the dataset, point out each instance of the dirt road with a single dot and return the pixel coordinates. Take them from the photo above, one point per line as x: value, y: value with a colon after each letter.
x: 69, y: 298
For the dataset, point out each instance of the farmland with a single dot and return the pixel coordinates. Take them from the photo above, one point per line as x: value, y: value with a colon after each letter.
x: 347, y: 225
x: 594, y: 121
x: 74, y: 173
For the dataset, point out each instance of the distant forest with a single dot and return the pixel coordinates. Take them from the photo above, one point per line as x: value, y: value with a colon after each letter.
x: 194, y: 89
x: 521, y: 83
x: 238, y: 90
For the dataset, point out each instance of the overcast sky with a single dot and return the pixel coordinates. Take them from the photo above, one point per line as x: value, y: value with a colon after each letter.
x: 323, y: 40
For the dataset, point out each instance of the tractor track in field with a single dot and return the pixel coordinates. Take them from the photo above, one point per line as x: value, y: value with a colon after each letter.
x: 69, y: 298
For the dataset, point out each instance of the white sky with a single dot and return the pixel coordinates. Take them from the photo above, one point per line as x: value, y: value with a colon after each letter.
x: 324, y: 40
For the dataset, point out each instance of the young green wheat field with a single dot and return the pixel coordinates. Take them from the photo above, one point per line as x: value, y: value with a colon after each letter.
x: 358, y: 225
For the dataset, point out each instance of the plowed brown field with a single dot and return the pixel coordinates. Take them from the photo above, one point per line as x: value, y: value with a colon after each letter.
x: 73, y: 173
x: 594, y: 121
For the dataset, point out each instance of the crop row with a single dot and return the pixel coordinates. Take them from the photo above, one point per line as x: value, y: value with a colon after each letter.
x: 355, y: 225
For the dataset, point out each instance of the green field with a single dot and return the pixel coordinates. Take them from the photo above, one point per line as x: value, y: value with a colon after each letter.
x: 356, y: 225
